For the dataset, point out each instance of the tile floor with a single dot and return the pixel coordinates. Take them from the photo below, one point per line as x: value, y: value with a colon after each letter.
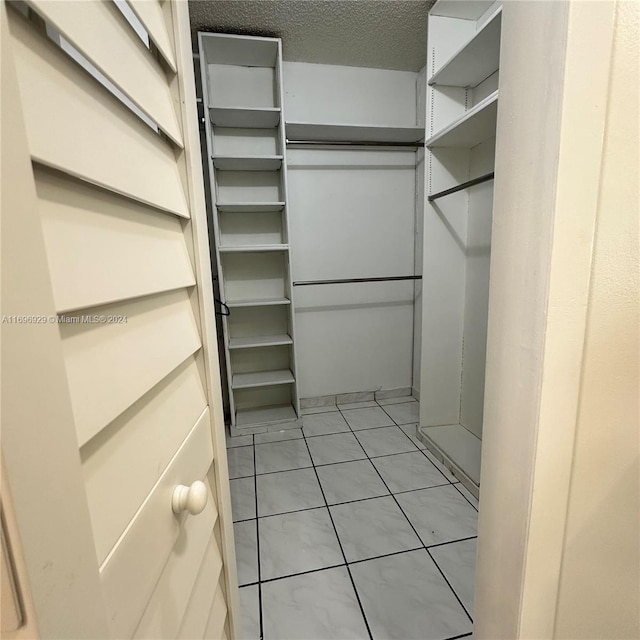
x: 348, y: 528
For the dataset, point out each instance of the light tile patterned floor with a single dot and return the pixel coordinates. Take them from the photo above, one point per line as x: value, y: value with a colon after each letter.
x: 349, y: 528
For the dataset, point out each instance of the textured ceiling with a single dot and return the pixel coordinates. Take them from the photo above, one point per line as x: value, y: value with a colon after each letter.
x: 384, y: 34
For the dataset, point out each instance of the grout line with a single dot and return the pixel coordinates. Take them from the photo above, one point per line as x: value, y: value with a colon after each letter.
x: 338, y: 504
x: 327, y: 506
x: 465, y: 497
x: 255, y: 491
x: 414, y: 529
x: 422, y: 451
x: 303, y: 573
x: 450, y: 587
x: 333, y: 524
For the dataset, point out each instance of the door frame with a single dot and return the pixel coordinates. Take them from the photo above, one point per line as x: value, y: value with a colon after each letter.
x: 548, y: 160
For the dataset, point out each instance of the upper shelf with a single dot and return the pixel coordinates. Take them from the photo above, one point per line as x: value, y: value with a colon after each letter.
x: 244, y: 118
x: 476, y: 59
x: 247, y: 163
x: 469, y: 10
x: 472, y: 128
x: 297, y: 131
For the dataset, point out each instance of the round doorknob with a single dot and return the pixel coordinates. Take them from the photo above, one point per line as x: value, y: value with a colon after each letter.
x: 192, y: 499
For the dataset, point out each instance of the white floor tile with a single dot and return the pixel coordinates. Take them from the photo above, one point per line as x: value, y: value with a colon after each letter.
x: 243, y: 498
x: 372, y: 528
x: 278, y: 436
x: 282, y: 456
x: 250, y: 613
x: 288, y: 491
x: 412, y: 431
x: 404, y: 413
x: 323, y: 424
x: 385, y: 441
x: 350, y: 481
x: 458, y: 563
x: 238, y: 441
x: 467, y: 494
x: 405, y: 597
x: 439, y: 466
x: 297, y: 542
x: 439, y: 514
x: 408, y: 471
x: 246, y: 540
x: 368, y: 418
x: 315, y: 606
x: 240, y: 460
x: 341, y: 447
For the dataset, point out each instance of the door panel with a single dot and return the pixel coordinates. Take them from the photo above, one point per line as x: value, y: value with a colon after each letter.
x: 108, y: 245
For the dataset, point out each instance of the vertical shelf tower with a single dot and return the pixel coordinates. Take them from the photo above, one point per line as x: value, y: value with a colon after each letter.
x: 462, y: 104
x: 243, y: 99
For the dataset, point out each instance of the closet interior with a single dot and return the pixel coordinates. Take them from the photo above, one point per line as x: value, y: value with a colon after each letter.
x: 350, y: 215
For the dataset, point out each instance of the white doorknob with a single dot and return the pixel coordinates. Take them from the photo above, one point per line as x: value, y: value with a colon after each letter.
x: 192, y: 499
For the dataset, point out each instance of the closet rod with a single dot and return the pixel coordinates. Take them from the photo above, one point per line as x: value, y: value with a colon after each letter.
x: 306, y: 283
x: 460, y: 187
x: 354, y: 143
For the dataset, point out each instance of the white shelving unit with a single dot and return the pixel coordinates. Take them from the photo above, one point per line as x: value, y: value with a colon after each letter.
x: 476, y: 59
x: 242, y: 88
x: 471, y: 128
x: 461, y: 105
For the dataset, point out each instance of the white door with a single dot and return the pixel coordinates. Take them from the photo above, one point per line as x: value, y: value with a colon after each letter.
x: 110, y: 387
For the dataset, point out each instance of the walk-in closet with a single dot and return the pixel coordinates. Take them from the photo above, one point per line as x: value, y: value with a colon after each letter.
x: 349, y: 201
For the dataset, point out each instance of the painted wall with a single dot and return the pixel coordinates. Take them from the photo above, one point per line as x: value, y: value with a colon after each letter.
x: 352, y: 215
x: 599, y: 593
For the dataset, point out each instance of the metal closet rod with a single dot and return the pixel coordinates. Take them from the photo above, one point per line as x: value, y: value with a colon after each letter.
x: 306, y: 283
x: 354, y: 143
x: 469, y: 183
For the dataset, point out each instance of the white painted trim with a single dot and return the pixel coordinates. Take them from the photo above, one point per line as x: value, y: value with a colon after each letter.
x: 553, y: 55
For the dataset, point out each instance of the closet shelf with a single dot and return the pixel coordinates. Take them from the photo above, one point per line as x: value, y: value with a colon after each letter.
x: 475, y: 126
x: 262, y: 379
x: 462, y: 10
x: 296, y: 131
x: 260, y: 341
x: 258, y: 302
x: 254, y: 248
x: 265, y: 415
x: 476, y: 60
x: 244, y: 118
x: 247, y: 163
x: 249, y: 207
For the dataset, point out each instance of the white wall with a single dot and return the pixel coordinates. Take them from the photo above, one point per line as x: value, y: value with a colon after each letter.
x: 476, y: 298
x: 355, y: 95
x: 352, y: 215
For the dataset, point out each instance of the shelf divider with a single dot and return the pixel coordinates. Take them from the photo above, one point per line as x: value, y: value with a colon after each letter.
x: 262, y: 379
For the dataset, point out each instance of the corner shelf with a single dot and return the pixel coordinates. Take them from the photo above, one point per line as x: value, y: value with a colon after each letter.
x: 247, y: 163
x: 262, y: 379
x: 249, y: 207
x: 260, y: 341
x: 297, y: 131
x: 256, y: 248
x: 476, y: 60
x: 472, y: 128
x: 244, y: 117
x: 265, y: 415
